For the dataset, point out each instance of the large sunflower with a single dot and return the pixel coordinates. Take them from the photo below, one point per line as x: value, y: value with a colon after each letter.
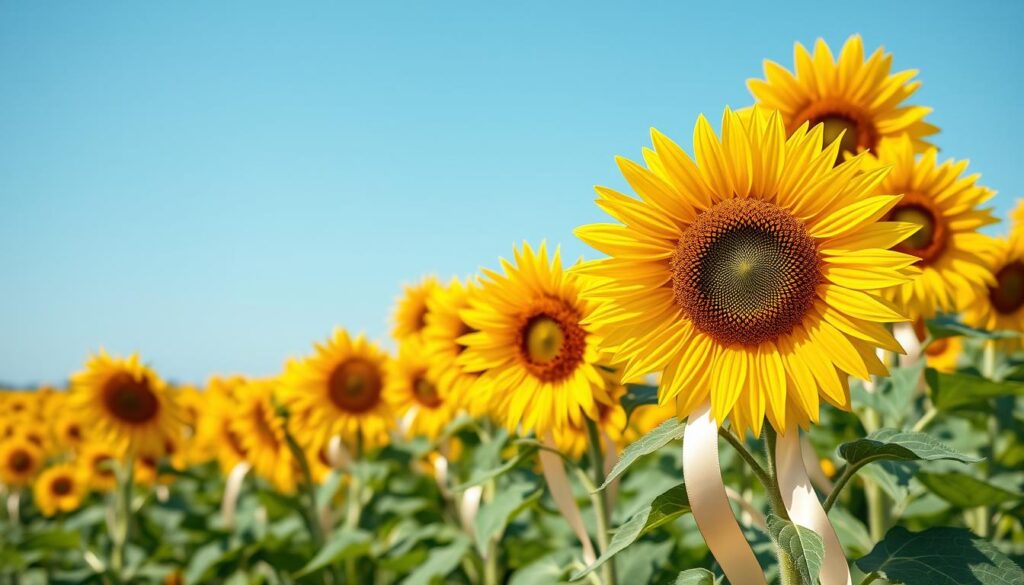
x: 1000, y: 306
x: 126, y: 402
x: 532, y: 342
x: 856, y: 96
x: 20, y: 461
x: 415, y: 395
x: 59, y: 489
x: 411, y: 309
x: 752, y: 276
x: 441, y: 343
x: 339, y: 391
x: 261, y: 433
x: 952, y: 254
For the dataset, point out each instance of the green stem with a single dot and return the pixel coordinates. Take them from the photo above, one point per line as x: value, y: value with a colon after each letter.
x: 870, y: 578
x: 352, y: 511
x: 598, y: 499
x: 929, y: 416
x: 772, y: 486
x: 755, y: 466
x: 988, y: 370
x: 122, y: 516
x: 848, y: 472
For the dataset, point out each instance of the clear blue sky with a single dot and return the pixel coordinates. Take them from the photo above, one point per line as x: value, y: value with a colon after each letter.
x: 217, y: 185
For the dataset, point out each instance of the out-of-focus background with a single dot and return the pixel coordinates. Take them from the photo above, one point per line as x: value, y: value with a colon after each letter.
x: 218, y: 184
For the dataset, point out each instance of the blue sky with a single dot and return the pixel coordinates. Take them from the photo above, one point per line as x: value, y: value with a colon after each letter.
x: 217, y: 185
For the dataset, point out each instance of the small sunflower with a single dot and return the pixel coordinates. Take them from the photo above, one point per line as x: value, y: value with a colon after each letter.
x: 752, y: 276
x: 952, y: 253
x: 944, y: 353
x: 415, y: 395
x: 20, y: 461
x: 58, y: 489
x: 445, y: 327
x: 855, y: 98
x: 339, y: 391
x: 610, y: 419
x: 411, y: 310
x: 125, y: 401
x: 68, y: 431
x: 1000, y: 305
x: 97, y: 462
x: 533, y: 344
x: 215, y: 438
x: 262, y: 434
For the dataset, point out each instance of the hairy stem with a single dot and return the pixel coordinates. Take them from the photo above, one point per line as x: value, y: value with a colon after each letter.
x: 601, y: 508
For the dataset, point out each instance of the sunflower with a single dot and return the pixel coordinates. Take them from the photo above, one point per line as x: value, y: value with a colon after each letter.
x: 1000, y: 305
x: 126, y: 402
x: 532, y: 343
x: 441, y: 343
x: 411, y: 309
x: 68, y: 430
x: 855, y: 98
x: 752, y: 276
x: 610, y: 419
x: 415, y: 395
x: 943, y: 353
x: 339, y: 391
x: 214, y: 437
x: 59, y: 489
x: 20, y: 460
x: 262, y: 434
x: 97, y: 463
x: 952, y: 254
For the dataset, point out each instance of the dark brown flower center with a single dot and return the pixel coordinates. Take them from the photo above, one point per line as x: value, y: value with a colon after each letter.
x: 426, y: 392
x: 860, y: 132
x: 1008, y: 294
x: 745, y: 272
x: 929, y: 241
x: 62, y: 486
x: 130, y: 399
x: 20, y: 461
x: 550, y: 340
x: 355, y: 385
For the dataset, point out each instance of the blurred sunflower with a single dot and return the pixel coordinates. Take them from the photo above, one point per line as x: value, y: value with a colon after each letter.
x: 20, y: 461
x: 533, y: 344
x: 751, y: 277
x: 445, y: 327
x: 339, y: 391
x: 952, y: 254
x: 214, y: 437
x: 411, y: 310
x: 610, y: 419
x: 125, y: 401
x: 68, y: 430
x: 261, y: 432
x: 58, y: 489
x: 1000, y: 306
x: 97, y: 462
x: 943, y: 353
x: 415, y: 395
x: 855, y: 98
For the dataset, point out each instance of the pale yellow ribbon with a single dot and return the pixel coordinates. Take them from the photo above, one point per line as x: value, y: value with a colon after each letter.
x: 804, y: 508
x: 561, y: 492
x: 710, y: 504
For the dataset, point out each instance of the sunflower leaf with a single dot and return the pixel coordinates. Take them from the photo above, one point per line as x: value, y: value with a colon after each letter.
x: 804, y: 549
x: 953, y: 390
x: 663, y: 509
x: 695, y: 577
x: 492, y: 518
x: 965, y: 491
x: 479, y: 477
x: 342, y: 544
x: 939, y: 556
x: 891, y: 444
x: 663, y: 434
x: 441, y: 561
x: 948, y: 326
x: 638, y: 395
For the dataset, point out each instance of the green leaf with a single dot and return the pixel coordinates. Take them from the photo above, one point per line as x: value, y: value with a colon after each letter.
x: 696, y: 577
x: 479, y: 477
x: 638, y: 395
x: 852, y: 533
x: 547, y: 570
x: 804, y: 548
x: 664, y: 508
x: 965, y: 491
x: 948, y: 326
x: 492, y: 518
x: 52, y: 539
x: 325, y: 493
x: 952, y: 390
x: 343, y: 544
x: 940, y: 556
x: 890, y: 444
x: 441, y: 561
x: 893, y: 395
x: 663, y: 434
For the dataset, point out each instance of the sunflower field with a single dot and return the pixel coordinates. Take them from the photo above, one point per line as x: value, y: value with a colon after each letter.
x: 795, y: 358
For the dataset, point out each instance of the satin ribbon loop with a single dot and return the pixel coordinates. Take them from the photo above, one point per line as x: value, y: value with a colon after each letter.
x: 561, y: 492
